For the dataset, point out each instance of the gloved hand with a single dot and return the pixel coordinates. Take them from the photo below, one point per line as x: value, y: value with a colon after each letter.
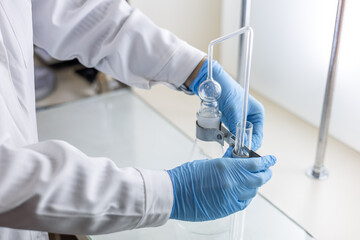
x: 231, y: 101
x: 211, y: 189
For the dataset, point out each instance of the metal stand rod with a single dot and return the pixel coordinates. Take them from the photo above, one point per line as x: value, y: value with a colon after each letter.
x: 244, y: 21
x: 318, y: 171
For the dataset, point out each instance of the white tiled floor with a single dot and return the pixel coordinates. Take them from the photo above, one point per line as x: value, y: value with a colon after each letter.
x: 328, y: 209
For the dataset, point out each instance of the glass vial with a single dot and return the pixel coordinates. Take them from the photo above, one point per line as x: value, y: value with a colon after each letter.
x: 242, y: 149
x: 243, y: 139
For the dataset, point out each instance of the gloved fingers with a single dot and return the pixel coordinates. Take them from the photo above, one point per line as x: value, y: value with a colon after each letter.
x: 228, y: 153
x: 258, y: 179
x: 243, y: 195
x: 256, y: 141
x: 243, y: 204
x: 259, y: 164
x: 255, y: 106
x: 257, y: 135
x: 258, y: 127
x: 256, y: 114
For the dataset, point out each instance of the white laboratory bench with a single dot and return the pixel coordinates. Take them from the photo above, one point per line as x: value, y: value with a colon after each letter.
x: 122, y: 127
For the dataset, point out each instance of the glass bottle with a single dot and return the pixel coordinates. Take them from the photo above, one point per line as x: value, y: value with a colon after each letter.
x: 208, y: 116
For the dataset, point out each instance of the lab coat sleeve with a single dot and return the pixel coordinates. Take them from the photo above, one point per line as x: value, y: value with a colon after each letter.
x: 52, y: 186
x: 114, y: 38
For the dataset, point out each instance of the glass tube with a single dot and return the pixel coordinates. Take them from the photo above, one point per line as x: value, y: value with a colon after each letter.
x: 231, y: 227
x: 248, y: 56
x: 242, y: 149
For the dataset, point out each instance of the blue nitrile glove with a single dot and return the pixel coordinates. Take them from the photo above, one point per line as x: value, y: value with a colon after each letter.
x: 231, y: 101
x: 211, y: 189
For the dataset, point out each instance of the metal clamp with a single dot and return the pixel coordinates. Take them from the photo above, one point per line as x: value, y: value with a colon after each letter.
x: 220, y: 135
x: 251, y: 154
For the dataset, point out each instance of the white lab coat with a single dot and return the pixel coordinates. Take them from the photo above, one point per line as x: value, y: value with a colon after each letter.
x: 52, y: 186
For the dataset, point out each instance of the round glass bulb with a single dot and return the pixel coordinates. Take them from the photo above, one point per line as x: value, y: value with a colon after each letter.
x: 209, y: 90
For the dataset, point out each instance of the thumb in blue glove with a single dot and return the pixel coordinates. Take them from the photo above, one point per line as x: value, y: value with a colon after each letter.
x: 211, y: 189
x: 230, y: 102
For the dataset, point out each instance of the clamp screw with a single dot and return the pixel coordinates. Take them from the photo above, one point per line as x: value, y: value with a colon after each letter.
x: 219, y: 137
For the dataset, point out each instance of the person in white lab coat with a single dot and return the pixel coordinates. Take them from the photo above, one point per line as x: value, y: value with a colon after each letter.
x: 51, y: 186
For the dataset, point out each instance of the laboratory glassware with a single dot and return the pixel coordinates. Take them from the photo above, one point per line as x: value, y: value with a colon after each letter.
x: 244, y: 149
x: 209, y: 117
x: 208, y: 91
x: 238, y: 219
x: 217, y: 229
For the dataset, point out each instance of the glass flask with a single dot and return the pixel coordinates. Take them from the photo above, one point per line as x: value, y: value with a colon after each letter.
x: 231, y: 227
x: 228, y: 228
x: 216, y: 229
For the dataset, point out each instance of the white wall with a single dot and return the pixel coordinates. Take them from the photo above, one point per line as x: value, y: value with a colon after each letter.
x: 292, y: 45
x: 230, y: 21
x: 197, y: 22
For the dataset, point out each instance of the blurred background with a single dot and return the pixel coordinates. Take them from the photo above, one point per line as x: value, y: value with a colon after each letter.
x: 292, y: 45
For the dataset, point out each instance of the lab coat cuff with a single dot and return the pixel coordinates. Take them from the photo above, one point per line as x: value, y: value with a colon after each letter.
x: 181, y: 64
x: 158, y: 198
